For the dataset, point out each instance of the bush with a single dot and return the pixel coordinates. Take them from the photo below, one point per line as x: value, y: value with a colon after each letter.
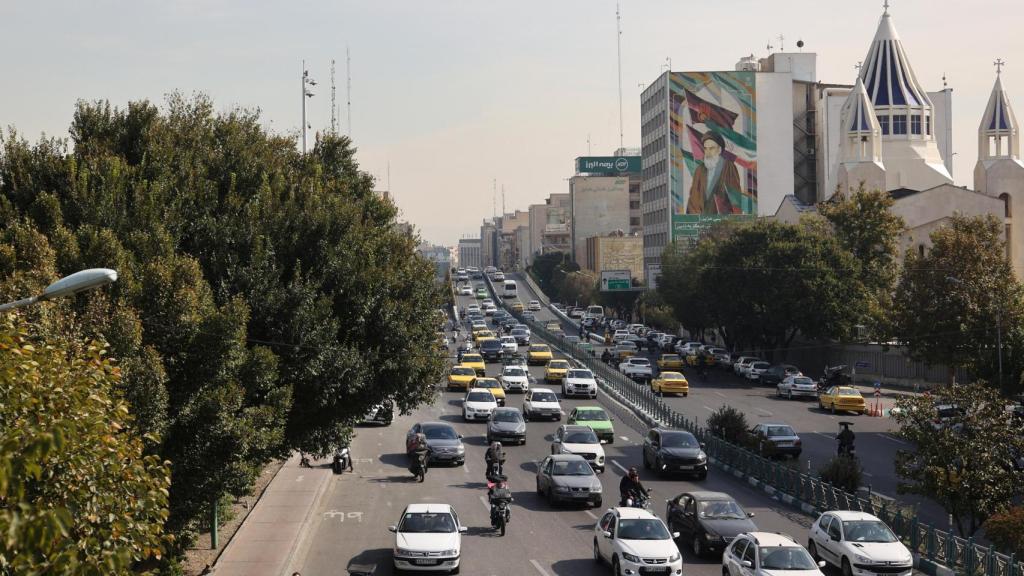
x: 729, y: 424
x: 1006, y: 530
x: 843, y: 473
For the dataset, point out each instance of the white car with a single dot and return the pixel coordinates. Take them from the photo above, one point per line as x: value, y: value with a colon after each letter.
x: 428, y: 537
x: 534, y: 305
x: 687, y: 348
x: 478, y: 325
x: 490, y: 309
x: 635, y: 328
x: 620, y: 336
x: 486, y: 302
x: 465, y: 290
x: 768, y: 554
x: 515, y: 378
x: 582, y: 440
x: 637, y: 368
x: 478, y: 404
x: 579, y: 382
x: 541, y: 403
x: 631, y: 539
x: 797, y: 385
x: 859, y: 544
x: 756, y: 369
x: 509, y: 344
x: 742, y: 364
x: 472, y: 308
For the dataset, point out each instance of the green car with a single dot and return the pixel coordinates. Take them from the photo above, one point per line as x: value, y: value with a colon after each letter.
x: 481, y: 294
x: 595, y: 418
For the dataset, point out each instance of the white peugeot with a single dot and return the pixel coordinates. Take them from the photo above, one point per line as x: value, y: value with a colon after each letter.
x: 541, y: 403
x: 478, y: 404
x: 859, y: 544
x: 515, y: 378
x: 579, y: 382
x: 577, y: 439
x: 509, y: 344
x: 428, y: 537
x: 632, y: 539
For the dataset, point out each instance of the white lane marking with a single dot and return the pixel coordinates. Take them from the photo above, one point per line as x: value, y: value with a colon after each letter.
x: 897, y: 440
x: 620, y: 467
x: 624, y: 439
x: 299, y: 478
x: 763, y: 411
x: 709, y: 408
x: 825, y: 434
x: 591, y: 514
x: 487, y: 506
x: 868, y: 474
x: 720, y: 394
x: 539, y: 567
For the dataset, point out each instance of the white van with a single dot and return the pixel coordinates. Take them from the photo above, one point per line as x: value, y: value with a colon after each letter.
x: 510, y: 289
x: 594, y: 311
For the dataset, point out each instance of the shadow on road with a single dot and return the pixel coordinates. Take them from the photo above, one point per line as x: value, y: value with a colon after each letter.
x: 574, y: 567
x: 451, y: 418
x: 528, y: 466
x: 395, y: 459
x: 474, y: 440
x: 407, y: 479
x: 370, y: 563
x: 482, y: 531
x: 470, y: 485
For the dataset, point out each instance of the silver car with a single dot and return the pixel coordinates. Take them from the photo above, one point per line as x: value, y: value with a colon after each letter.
x: 568, y: 478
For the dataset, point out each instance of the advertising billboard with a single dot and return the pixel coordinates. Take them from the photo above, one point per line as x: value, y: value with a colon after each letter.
x: 608, y: 165
x: 600, y: 205
x: 615, y: 280
x: 713, y: 145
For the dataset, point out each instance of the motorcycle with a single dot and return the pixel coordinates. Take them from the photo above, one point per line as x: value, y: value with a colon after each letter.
x: 846, y: 448
x: 500, y: 498
x: 342, y: 460
x: 638, y: 500
x: 418, y: 466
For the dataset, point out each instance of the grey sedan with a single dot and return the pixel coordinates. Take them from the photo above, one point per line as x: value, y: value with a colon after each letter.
x: 568, y: 478
x: 506, y: 425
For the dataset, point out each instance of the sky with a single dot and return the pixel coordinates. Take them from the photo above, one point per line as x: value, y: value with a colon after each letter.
x: 452, y: 98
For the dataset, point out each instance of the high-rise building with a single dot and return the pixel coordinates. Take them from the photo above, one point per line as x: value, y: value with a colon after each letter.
x: 600, y: 205
x: 489, y: 249
x: 469, y: 253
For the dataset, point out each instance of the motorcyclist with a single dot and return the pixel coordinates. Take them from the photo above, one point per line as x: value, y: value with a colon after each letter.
x: 495, y: 459
x: 420, y: 454
x: 606, y: 356
x: 846, y: 438
x: 630, y: 487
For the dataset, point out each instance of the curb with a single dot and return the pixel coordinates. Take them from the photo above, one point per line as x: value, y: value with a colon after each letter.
x: 300, y: 538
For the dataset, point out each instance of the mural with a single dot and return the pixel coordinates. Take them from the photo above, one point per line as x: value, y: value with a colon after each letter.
x: 714, y: 149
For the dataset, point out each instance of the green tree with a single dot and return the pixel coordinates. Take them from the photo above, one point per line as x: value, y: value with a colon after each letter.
x: 950, y: 301
x: 543, y: 269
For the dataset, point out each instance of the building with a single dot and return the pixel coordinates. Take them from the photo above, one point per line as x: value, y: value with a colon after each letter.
x: 489, y: 245
x: 600, y: 205
x: 469, y: 253
x: 625, y: 162
x: 523, y: 251
x: 508, y: 248
x: 616, y: 252
x: 924, y: 211
x: 441, y: 256
x: 556, y: 235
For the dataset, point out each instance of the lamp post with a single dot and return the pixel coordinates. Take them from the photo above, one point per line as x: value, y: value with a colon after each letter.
x: 78, y: 282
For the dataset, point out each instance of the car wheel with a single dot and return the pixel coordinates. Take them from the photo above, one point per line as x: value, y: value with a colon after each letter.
x: 698, y: 546
x: 812, y: 549
x: 597, y: 554
x: 778, y: 392
x: 616, y: 570
x: 847, y: 569
x: 456, y: 570
x: 551, y: 497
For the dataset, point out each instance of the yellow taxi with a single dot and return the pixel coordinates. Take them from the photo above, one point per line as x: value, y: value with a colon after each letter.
x: 517, y: 307
x: 481, y: 335
x: 476, y: 362
x: 461, y: 377
x: 538, y: 354
x: 842, y: 399
x: 493, y: 385
x: 670, y: 383
x: 670, y: 362
x: 556, y: 370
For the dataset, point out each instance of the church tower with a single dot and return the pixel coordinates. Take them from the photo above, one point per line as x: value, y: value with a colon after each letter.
x: 906, y: 116
x: 999, y: 171
x: 860, y: 147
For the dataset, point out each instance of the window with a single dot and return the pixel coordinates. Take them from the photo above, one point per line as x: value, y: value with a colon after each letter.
x: 834, y: 531
x: 749, y: 554
x: 920, y: 250
x: 899, y: 123
x: 634, y: 221
x: 1007, y: 207
x: 883, y: 121
x: 928, y: 125
x: 915, y: 124
x: 634, y: 204
x: 737, y: 548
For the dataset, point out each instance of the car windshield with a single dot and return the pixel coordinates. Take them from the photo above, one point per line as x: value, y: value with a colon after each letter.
x: 486, y: 383
x: 508, y: 339
x: 572, y: 468
x: 472, y: 358
x: 507, y: 416
x: 759, y: 365
x: 558, y: 364
x: 488, y: 344
x: 518, y: 332
x: 786, y: 558
x: 847, y: 392
x: 670, y: 357
x: 722, y: 509
x: 803, y: 381
x: 539, y: 348
x: 671, y: 376
x: 581, y: 437
x: 639, y: 361
x: 424, y: 522
x: 440, y: 433
x: 591, y: 415
x: 515, y: 372
x: 463, y: 371
x: 678, y: 440
x: 579, y: 374
x: 642, y: 529
x: 780, y: 431
x: 867, y: 531
x: 480, y: 397
x: 544, y: 397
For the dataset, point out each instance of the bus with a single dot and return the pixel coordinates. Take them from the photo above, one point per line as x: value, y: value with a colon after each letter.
x: 510, y: 289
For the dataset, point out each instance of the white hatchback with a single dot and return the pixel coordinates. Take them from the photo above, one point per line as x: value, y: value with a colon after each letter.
x: 428, y: 538
x: 478, y: 404
x: 859, y: 544
x: 768, y: 554
x: 631, y: 539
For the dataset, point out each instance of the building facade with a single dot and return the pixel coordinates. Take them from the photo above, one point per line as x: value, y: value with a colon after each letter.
x: 469, y: 253
x: 600, y: 206
x: 616, y: 252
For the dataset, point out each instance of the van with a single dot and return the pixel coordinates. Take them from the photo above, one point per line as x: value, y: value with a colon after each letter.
x: 594, y: 311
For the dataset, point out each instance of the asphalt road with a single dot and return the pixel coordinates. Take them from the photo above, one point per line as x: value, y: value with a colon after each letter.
x: 350, y: 523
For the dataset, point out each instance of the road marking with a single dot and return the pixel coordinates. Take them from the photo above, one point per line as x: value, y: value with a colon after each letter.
x: 539, y: 568
x: 487, y: 505
x: 897, y: 440
x: 591, y: 514
x: 825, y: 434
x: 868, y: 474
x: 299, y: 478
x: 763, y: 411
x: 709, y: 408
x: 620, y: 467
x: 720, y: 394
x: 624, y: 439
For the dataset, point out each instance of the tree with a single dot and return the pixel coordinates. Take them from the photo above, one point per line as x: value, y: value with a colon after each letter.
x: 79, y: 496
x: 950, y: 301
x: 682, y: 287
x: 543, y: 269
x: 966, y: 463
x: 1006, y: 530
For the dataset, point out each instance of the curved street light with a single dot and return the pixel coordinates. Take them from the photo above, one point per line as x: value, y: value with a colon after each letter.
x: 80, y: 281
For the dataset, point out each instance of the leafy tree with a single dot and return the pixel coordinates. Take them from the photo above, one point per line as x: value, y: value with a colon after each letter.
x: 681, y: 285
x: 729, y: 424
x: 1006, y: 530
x: 78, y: 494
x: 843, y: 473
x: 949, y: 301
x: 966, y: 463
x: 543, y: 269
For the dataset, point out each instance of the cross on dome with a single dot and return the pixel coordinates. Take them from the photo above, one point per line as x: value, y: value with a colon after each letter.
x: 885, y: 5
x: 999, y: 66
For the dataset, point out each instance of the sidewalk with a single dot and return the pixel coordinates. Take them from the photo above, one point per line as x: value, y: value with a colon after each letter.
x: 266, y: 542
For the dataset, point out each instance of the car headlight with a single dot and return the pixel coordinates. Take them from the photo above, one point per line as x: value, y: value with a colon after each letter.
x: 561, y: 488
x: 600, y: 459
x: 460, y: 449
x: 702, y: 457
x: 631, y: 558
x: 674, y: 557
x: 403, y: 552
x: 710, y: 534
x: 452, y: 552
x: 595, y: 488
x: 861, y: 559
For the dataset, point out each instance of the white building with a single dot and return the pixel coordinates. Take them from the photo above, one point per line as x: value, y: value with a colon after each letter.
x: 469, y: 253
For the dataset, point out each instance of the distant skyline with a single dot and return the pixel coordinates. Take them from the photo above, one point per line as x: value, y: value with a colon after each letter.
x: 454, y: 95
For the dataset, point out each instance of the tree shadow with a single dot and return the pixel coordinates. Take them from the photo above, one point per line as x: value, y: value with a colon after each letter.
x: 575, y: 567
x: 406, y: 479
x: 455, y: 402
x: 394, y: 459
x: 451, y: 418
x: 470, y: 485
x: 475, y: 440
x: 367, y: 562
x: 482, y: 532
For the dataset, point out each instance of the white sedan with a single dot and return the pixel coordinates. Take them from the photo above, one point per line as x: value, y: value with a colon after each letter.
x: 428, y: 537
x: 479, y: 404
x: 797, y: 385
x: 509, y: 344
x: 541, y: 403
x: 631, y: 539
x: 465, y: 291
x: 859, y: 544
x: 534, y: 305
x: 515, y: 378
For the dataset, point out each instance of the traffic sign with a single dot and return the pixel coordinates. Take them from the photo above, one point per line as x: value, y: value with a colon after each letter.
x: 616, y: 280
x: 862, y: 364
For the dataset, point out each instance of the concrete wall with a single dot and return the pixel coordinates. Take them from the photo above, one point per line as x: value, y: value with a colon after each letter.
x: 1006, y: 176
x: 926, y: 211
x: 774, y: 140
x: 600, y: 205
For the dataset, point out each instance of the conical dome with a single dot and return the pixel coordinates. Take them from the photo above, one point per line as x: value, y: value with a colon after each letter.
x: 886, y: 72
x: 998, y: 130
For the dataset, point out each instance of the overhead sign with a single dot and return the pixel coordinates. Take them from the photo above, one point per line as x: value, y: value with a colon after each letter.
x: 616, y: 280
x: 612, y: 165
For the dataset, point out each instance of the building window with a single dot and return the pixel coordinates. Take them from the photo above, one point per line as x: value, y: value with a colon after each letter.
x: 883, y: 121
x: 634, y: 204
x: 1007, y: 206
x: 928, y: 125
x: 920, y: 250
x: 899, y: 123
x: 915, y: 124
x: 634, y: 221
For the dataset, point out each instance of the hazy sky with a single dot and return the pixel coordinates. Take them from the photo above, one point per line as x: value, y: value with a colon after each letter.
x: 454, y: 94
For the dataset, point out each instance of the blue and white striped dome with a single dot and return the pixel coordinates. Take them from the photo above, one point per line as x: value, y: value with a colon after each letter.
x: 886, y: 72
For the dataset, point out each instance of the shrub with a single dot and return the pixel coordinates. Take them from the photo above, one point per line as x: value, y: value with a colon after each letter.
x: 1006, y: 530
x: 729, y: 424
x: 843, y: 473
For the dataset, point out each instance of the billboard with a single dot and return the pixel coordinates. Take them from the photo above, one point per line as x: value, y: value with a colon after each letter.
x: 600, y: 205
x: 713, y: 127
x: 615, y: 280
x: 608, y: 165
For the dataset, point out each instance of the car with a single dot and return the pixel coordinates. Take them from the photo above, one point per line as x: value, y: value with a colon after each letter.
x: 670, y: 362
x: 797, y: 385
x: 472, y: 308
x: 553, y: 326
x: 522, y: 336
x: 674, y: 451
x: 620, y: 336
x: 490, y: 309
x: 576, y: 313
x: 465, y: 291
x: 541, y: 403
x: 493, y: 386
x: 460, y: 377
x: 842, y: 399
x: 481, y: 293
x: 444, y: 442
x: 596, y: 418
x: 478, y: 404
x: 637, y: 368
x: 528, y: 316
x: 514, y: 377
x: 742, y: 364
x: 687, y: 348
x: 568, y: 478
x: 517, y: 307
x: 428, y: 537
x: 721, y: 356
x: 707, y: 521
x: 555, y: 370
x: 538, y: 354
x: 632, y: 540
x: 506, y: 424
x: 533, y: 306
x: 636, y: 329
x: 768, y: 554
x: 490, y: 348
x: 383, y: 413
x: 670, y: 383
x: 499, y: 276
x: 776, y: 439
x: 513, y: 360
x: 581, y: 440
x: 777, y: 373
x: 579, y: 382
x: 509, y: 345
x: 756, y: 368
x: 859, y: 544
x: 477, y: 325
x: 624, y: 350
x: 486, y: 302
x: 476, y: 362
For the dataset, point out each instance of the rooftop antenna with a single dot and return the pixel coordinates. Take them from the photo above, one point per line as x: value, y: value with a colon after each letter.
x: 618, y: 52
x: 668, y: 63
x: 999, y: 63
x: 641, y: 85
x: 306, y: 93
x: 334, y: 105
x: 769, y: 48
x: 858, y: 66
x: 782, y: 43
x: 944, y: 80
x: 502, y: 199
x: 348, y: 90
x: 588, y: 144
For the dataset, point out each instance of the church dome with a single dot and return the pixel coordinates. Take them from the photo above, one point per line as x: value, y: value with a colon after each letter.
x: 886, y: 72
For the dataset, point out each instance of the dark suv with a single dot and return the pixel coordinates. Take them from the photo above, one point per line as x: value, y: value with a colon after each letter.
x: 490, y: 349
x: 778, y: 373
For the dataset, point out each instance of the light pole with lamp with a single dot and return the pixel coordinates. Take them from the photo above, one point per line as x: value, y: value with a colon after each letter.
x: 80, y: 281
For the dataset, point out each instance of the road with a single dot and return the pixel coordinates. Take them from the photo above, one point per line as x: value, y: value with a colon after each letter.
x: 876, y: 443
x: 351, y: 520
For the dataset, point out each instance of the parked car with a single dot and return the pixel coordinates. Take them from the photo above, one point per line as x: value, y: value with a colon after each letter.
x: 756, y: 369
x: 596, y: 418
x: 382, y: 413
x: 722, y: 357
x: 777, y: 373
x: 637, y: 368
x: 506, y: 424
x: 675, y: 451
x: 742, y: 364
x: 541, y: 403
x: 579, y: 382
x: 707, y: 521
x: 768, y: 554
x: 797, y: 385
x: 859, y: 544
x: 428, y: 537
x: 444, y: 442
x: 581, y: 440
x: 631, y: 539
x: 568, y: 478
x: 776, y: 439
x: 842, y: 399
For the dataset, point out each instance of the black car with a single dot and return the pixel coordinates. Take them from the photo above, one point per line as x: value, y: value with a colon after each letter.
x: 707, y: 521
x: 506, y: 425
x: 522, y: 336
x: 490, y: 349
x: 776, y: 439
x: 675, y: 451
x: 777, y: 373
x: 444, y: 442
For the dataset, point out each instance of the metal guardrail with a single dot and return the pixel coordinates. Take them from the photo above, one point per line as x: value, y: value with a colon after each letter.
x: 943, y: 547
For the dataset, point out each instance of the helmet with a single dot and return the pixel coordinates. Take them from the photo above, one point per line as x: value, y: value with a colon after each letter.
x: 496, y: 445
x: 633, y: 472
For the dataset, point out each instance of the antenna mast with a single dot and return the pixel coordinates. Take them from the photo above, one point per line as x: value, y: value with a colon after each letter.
x: 618, y: 51
x: 348, y: 90
x: 503, y: 200
x: 334, y: 105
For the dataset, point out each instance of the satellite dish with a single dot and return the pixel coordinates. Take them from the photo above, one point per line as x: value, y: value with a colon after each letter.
x: 799, y: 43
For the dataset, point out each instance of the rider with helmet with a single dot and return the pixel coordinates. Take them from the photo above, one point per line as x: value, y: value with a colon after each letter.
x: 630, y: 487
x: 495, y: 458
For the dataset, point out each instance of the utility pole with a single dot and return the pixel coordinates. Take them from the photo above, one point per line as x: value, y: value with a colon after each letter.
x: 334, y: 105
x: 618, y: 51
x: 348, y: 90
x: 306, y: 93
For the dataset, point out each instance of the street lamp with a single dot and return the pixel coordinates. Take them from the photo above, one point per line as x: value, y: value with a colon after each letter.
x: 80, y: 281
